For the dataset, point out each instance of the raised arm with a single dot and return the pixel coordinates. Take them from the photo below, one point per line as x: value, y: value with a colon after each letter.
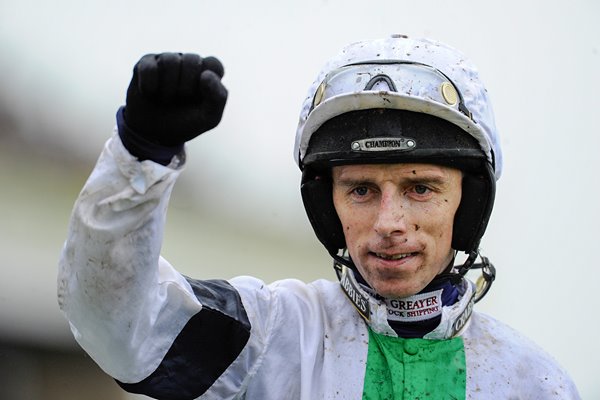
x: 125, y: 304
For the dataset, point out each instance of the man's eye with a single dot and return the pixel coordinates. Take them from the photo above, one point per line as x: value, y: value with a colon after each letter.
x: 361, y: 191
x: 421, y: 189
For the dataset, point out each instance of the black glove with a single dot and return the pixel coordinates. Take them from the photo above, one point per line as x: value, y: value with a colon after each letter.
x: 172, y: 98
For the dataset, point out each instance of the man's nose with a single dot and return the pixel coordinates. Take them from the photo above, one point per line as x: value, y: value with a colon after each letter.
x: 391, y: 216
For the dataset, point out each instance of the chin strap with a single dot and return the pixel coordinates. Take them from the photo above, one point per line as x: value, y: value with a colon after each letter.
x: 468, y: 264
x: 483, y: 283
x: 485, y: 280
x: 340, y: 261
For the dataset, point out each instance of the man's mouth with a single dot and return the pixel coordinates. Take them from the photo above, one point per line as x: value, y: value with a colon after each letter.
x: 393, y: 256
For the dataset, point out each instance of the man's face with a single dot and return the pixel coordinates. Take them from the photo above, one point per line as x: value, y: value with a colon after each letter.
x: 397, y: 221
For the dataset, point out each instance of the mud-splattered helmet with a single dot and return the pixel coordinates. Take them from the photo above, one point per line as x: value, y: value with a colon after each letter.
x: 399, y: 100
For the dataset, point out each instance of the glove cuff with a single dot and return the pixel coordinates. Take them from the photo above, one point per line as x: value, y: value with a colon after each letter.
x: 140, y: 147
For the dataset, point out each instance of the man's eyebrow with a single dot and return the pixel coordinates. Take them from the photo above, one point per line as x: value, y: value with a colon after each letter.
x: 350, y: 181
x: 423, y: 179
x: 431, y: 179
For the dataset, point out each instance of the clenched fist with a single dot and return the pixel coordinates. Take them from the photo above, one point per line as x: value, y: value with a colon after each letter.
x: 172, y: 98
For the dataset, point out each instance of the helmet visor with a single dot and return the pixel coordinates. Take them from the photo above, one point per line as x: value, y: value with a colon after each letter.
x: 389, y: 84
x: 409, y: 78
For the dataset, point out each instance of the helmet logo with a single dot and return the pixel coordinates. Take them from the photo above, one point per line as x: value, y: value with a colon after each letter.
x: 384, y: 144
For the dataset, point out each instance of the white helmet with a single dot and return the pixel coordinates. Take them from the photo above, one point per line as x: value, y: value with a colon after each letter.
x: 397, y: 100
x: 427, y: 76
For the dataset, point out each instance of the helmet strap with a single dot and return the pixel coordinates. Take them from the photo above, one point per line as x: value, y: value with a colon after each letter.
x: 342, y: 263
x: 484, y: 281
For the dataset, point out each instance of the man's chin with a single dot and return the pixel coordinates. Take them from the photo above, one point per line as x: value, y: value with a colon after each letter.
x: 397, y: 292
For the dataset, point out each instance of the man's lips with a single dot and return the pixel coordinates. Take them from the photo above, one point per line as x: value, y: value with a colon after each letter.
x: 394, y: 257
x: 387, y: 256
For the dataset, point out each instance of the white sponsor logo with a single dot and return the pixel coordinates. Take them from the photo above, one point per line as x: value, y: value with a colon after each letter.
x: 350, y: 286
x: 415, y: 308
x: 463, y: 318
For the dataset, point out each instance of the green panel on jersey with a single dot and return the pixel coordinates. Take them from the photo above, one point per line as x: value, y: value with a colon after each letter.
x: 414, y: 369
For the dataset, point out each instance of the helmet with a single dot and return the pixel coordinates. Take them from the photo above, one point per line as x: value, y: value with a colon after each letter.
x: 399, y: 100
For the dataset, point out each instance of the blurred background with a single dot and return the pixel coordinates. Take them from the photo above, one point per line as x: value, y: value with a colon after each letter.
x: 64, y: 69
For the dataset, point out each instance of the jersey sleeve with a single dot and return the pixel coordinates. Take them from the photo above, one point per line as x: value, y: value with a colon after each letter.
x: 142, y: 322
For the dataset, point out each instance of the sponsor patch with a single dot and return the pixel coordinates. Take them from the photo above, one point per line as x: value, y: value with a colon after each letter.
x: 356, y: 295
x: 462, y: 319
x: 415, y: 308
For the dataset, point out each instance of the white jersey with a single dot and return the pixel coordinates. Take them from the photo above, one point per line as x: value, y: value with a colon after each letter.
x: 169, y: 336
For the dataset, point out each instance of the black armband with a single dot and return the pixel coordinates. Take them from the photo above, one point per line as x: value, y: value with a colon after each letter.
x: 208, y: 344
